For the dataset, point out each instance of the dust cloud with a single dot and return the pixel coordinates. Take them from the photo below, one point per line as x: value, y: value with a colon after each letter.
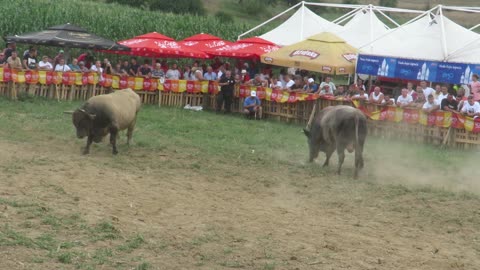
x: 417, y: 165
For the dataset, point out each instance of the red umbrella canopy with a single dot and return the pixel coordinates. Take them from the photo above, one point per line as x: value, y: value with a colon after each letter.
x: 157, y: 45
x: 246, y: 48
x: 203, y: 42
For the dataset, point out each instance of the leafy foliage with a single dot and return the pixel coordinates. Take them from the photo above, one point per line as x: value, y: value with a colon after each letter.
x: 178, y: 6
x: 113, y: 21
x: 388, y: 3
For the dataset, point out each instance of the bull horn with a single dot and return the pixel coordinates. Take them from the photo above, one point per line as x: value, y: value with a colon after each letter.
x: 68, y: 112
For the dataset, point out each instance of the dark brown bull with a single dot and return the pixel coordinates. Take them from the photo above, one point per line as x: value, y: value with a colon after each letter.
x: 105, y: 114
x: 337, y: 128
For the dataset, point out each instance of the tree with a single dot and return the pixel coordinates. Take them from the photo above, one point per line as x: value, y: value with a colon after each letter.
x: 350, y: 2
x: 388, y: 3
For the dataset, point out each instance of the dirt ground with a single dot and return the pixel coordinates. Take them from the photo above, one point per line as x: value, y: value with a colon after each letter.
x: 221, y: 215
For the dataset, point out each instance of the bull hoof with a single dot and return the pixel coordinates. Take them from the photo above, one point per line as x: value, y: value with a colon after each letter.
x: 114, y: 152
x: 85, y: 152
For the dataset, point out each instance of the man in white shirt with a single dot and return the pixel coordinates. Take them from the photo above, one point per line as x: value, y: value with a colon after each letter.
x: 61, y: 66
x: 471, y: 108
x: 328, y: 81
x: 427, y: 91
x: 404, y: 100
x: 289, y: 81
x: 44, y: 64
x: 443, y: 93
x: 361, y: 95
x: 173, y: 73
x: 431, y: 105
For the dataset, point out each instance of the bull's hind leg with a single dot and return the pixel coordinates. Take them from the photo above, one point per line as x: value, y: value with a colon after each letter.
x: 341, y: 157
x: 358, y: 161
x: 328, y: 152
x: 113, y: 140
x: 130, y: 133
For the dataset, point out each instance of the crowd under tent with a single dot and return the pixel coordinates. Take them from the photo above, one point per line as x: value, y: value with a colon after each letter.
x: 420, y: 49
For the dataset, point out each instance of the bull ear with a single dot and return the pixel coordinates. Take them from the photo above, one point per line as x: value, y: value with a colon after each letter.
x: 91, y: 116
x: 307, y: 132
x: 68, y: 112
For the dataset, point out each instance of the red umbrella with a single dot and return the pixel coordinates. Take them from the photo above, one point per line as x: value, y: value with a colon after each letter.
x: 246, y: 48
x: 160, y: 46
x: 202, y: 42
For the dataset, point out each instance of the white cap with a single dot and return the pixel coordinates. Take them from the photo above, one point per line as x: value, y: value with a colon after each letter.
x: 244, y: 71
x: 310, y: 80
x: 253, y: 93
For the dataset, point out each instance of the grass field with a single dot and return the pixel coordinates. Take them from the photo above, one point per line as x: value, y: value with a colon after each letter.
x: 204, y: 191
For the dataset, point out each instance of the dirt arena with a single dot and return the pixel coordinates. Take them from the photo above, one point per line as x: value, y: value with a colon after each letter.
x: 197, y: 212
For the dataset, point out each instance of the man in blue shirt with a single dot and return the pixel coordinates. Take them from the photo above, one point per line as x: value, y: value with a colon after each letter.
x: 210, y: 75
x: 251, y: 106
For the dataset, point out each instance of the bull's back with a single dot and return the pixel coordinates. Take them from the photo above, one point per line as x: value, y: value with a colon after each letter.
x: 338, y: 122
x: 120, y: 106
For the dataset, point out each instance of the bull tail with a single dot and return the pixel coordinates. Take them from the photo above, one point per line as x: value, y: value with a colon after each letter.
x: 358, y: 149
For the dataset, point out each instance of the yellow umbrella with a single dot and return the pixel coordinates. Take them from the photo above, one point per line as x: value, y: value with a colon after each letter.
x: 324, y: 53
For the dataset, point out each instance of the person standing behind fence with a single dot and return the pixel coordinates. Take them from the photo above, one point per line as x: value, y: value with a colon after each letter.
x: 471, y: 107
x: 404, y: 100
x: 431, y: 105
x: 30, y: 59
x: 14, y: 61
x: 210, y: 75
x: 328, y: 81
x: 475, y: 87
x: 376, y: 97
x: 173, y: 73
x: 225, y: 96
x: 427, y: 91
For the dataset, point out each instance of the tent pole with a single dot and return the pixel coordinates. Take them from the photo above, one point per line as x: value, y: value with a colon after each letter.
x: 465, y: 9
x: 348, y: 15
x: 461, y: 48
x: 471, y: 29
x: 388, y: 18
x: 370, y: 9
x: 444, y: 39
x: 302, y: 19
x: 271, y: 19
x: 400, y: 27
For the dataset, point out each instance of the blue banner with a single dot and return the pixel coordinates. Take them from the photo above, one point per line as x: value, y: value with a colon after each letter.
x: 416, y: 70
x: 441, y: 72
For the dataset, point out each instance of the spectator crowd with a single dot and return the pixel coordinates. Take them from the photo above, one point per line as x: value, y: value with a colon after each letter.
x: 441, y: 97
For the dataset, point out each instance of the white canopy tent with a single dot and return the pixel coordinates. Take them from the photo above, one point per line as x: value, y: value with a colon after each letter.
x: 304, y: 23
x: 364, y: 26
x: 430, y: 36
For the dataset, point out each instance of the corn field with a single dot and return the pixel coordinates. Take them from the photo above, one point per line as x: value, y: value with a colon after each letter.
x: 111, y: 21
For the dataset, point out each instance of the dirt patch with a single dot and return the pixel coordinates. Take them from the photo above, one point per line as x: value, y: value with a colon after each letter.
x: 228, y: 216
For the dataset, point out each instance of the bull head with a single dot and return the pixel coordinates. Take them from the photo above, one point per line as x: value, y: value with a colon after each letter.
x: 83, y: 122
x: 89, y: 115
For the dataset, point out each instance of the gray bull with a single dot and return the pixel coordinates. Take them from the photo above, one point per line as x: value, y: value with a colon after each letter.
x: 337, y: 128
x: 105, y: 114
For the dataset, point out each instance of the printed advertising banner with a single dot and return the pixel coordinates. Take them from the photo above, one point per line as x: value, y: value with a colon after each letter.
x: 410, y: 69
